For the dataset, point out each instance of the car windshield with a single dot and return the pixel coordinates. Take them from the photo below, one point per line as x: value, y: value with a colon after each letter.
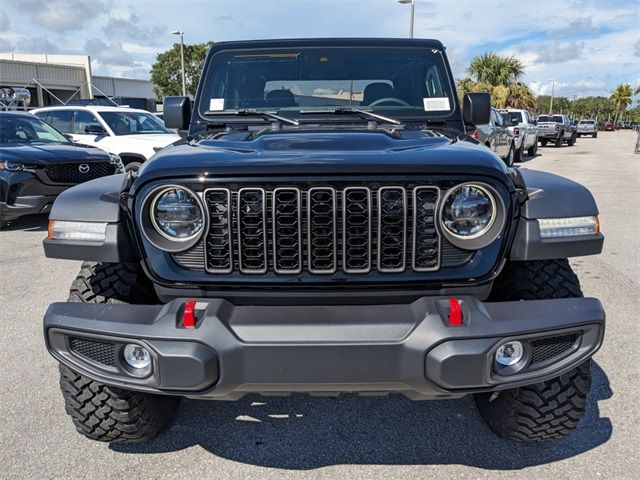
x: 512, y: 117
x: 399, y: 81
x: 548, y: 118
x: 23, y: 129
x: 133, y: 123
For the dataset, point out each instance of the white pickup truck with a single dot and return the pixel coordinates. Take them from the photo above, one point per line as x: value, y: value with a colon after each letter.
x: 135, y: 135
x: 524, y: 129
x: 587, y: 126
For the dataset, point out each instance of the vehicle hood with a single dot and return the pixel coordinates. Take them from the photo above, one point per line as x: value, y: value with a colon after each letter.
x: 151, y: 139
x: 322, y: 152
x: 43, y: 154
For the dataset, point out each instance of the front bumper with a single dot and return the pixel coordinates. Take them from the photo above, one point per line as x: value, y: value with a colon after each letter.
x: 22, y: 193
x: 407, y: 348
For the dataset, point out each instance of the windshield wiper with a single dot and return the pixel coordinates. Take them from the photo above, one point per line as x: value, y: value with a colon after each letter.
x: 249, y: 112
x: 350, y: 110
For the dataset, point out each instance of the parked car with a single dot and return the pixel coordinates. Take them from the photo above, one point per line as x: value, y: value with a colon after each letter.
x: 524, y: 130
x: 497, y: 136
x: 609, y: 127
x: 626, y: 125
x: 557, y: 129
x: 37, y: 163
x: 310, y: 239
x: 135, y: 135
x: 587, y: 127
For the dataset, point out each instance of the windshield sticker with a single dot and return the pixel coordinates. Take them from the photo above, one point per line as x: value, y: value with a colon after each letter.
x: 436, y: 104
x: 216, y: 104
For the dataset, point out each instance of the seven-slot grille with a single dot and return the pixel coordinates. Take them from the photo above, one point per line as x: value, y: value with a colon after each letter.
x: 78, y: 172
x: 320, y: 230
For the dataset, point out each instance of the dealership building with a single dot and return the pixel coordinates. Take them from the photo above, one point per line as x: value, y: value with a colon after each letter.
x: 57, y: 79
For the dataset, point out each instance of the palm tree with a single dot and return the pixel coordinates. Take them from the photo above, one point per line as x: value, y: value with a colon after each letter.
x: 496, y: 69
x: 621, y: 97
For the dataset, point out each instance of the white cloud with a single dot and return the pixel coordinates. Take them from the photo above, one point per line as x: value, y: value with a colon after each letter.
x: 62, y: 15
x: 37, y: 44
x: 108, y: 53
x: 4, y: 21
x: 129, y: 25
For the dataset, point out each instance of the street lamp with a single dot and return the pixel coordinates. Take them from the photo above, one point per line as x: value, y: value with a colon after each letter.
x: 413, y: 13
x: 184, y: 79
x: 553, y: 91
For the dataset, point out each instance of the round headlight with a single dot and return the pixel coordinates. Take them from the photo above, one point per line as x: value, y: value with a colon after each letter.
x: 176, y: 214
x: 469, y: 211
x: 472, y: 215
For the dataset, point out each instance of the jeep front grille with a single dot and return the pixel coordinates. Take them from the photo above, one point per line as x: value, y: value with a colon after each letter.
x: 320, y: 230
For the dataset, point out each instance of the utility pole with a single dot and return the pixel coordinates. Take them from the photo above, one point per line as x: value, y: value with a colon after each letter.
x: 184, y: 76
x: 413, y: 14
x: 553, y: 90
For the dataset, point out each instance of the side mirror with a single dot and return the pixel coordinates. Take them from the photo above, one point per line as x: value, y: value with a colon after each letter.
x: 68, y: 137
x: 476, y: 108
x: 95, y: 130
x: 177, y: 112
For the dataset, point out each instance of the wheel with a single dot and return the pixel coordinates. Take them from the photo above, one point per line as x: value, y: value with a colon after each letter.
x: 543, y: 143
x: 533, y: 149
x: 578, y: 135
x: 509, y: 158
x: 132, y: 167
x: 3, y: 223
x: 549, y: 410
x: 572, y: 140
x: 558, y: 141
x: 98, y: 411
x: 518, y: 156
x: 594, y: 135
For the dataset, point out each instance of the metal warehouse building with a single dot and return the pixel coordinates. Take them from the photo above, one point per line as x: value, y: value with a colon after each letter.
x: 55, y: 79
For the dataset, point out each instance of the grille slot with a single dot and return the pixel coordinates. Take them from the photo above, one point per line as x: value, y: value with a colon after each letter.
x: 100, y: 352
x: 71, y: 172
x: 321, y: 223
x: 252, y: 230
x: 550, y: 347
x: 356, y: 230
x: 426, y: 242
x: 219, y: 251
x: 392, y: 229
x: 287, y: 230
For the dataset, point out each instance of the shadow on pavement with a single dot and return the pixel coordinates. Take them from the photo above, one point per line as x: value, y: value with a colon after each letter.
x: 28, y: 223
x: 301, y: 432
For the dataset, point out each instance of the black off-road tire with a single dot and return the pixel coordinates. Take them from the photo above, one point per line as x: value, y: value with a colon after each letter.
x: 543, y: 143
x: 595, y: 135
x: 518, y: 155
x: 572, y: 140
x: 552, y: 409
x: 508, y: 160
x: 110, y: 414
x: 545, y: 411
x: 98, y: 411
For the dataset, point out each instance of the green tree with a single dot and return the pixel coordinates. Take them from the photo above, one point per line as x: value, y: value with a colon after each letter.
x: 166, y: 72
x: 621, y: 97
x: 496, y: 69
x: 500, y: 76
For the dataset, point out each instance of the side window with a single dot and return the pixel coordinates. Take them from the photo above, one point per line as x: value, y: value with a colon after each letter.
x: 42, y: 116
x: 81, y: 120
x: 498, y: 119
x: 61, y: 120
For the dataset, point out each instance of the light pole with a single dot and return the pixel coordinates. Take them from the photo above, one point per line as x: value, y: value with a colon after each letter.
x: 413, y: 14
x: 553, y: 90
x: 184, y: 78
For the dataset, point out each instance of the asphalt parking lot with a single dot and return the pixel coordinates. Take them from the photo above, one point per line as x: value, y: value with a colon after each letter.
x: 344, y: 437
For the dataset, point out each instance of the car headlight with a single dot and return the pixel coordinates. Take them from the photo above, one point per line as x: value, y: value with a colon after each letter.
x: 472, y: 215
x: 117, y: 162
x: 11, y: 166
x: 176, y: 214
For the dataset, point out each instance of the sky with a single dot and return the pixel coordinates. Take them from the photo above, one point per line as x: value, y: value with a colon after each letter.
x: 587, y: 47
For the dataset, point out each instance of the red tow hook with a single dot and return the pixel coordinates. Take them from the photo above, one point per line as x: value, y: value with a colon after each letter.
x: 189, y: 315
x: 455, y: 312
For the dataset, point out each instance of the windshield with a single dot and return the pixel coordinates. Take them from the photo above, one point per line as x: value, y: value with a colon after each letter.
x: 133, y: 123
x: 410, y: 81
x: 547, y: 118
x: 512, y: 117
x: 23, y: 129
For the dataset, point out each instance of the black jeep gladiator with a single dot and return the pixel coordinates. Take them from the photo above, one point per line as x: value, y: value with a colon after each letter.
x: 326, y: 227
